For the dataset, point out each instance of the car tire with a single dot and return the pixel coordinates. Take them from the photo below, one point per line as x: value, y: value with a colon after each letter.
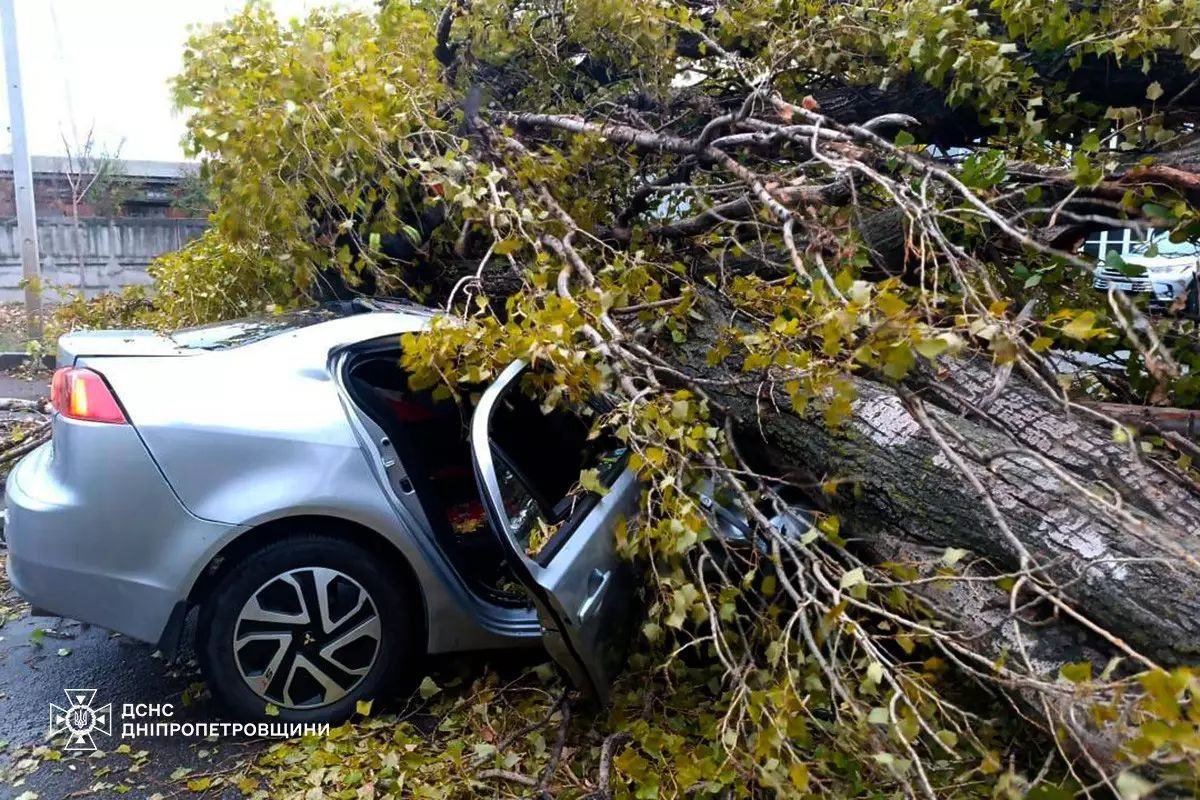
x: 1192, y: 308
x: 314, y: 665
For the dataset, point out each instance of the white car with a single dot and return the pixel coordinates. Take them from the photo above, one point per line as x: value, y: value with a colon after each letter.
x: 1169, y: 270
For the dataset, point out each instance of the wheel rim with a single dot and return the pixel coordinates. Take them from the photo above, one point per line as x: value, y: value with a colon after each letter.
x: 307, y: 638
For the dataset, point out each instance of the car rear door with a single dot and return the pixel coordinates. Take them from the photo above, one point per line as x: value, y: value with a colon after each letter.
x: 563, y: 550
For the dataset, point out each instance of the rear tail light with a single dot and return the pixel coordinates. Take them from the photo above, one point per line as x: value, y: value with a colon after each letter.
x: 82, y: 394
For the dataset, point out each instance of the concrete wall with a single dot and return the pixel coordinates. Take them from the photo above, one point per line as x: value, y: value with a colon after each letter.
x: 116, y: 252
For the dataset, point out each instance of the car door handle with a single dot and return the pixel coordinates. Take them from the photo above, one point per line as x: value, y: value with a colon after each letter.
x: 597, y: 584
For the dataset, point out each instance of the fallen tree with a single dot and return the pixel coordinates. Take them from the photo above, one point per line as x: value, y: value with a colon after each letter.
x: 815, y: 253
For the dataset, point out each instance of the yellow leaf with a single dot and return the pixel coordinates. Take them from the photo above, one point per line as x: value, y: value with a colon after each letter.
x: 1081, y: 327
x: 799, y: 776
x: 890, y: 304
x: 506, y: 246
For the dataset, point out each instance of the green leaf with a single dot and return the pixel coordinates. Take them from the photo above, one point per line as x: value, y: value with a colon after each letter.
x: 363, y: 707
x: 1158, y: 211
x: 852, y: 578
x: 1132, y: 786
x: 932, y: 348
x: 948, y: 738
x: 1154, y: 91
x: 984, y: 169
x: 1084, y: 172
x: 952, y: 556
x: 428, y: 688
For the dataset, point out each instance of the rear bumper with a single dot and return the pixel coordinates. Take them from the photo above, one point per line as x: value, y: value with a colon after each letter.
x: 94, y: 532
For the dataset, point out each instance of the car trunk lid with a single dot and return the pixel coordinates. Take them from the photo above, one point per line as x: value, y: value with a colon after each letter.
x: 86, y: 344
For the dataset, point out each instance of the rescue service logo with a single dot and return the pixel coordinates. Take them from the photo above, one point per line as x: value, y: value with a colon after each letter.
x: 80, y: 719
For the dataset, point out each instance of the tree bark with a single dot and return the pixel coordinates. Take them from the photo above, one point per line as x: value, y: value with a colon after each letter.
x: 1130, y: 560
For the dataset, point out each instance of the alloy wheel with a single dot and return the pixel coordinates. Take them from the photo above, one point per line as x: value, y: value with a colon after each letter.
x: 307, y: 637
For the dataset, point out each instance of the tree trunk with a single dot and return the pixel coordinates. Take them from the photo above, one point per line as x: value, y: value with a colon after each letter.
x: 903, y: 490
x: 78, y: 246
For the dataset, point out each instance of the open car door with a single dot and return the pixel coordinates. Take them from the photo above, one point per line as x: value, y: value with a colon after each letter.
x: 560, y: 540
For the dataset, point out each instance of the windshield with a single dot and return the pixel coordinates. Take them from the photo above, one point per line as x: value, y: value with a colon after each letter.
x: 1159, y: 243
x: 237, y: 332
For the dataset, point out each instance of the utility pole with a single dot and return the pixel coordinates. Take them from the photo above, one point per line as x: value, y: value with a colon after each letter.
x: 22, y: 176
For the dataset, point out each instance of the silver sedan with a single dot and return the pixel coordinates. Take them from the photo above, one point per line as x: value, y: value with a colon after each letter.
x: 330, y: 523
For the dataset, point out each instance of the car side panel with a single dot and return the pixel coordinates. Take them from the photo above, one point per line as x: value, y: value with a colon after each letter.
x: 274, y: 441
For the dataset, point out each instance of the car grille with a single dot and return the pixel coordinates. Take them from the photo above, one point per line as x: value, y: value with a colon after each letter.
x: 1106, y: 276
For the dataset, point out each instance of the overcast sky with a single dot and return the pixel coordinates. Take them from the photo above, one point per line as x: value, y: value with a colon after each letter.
x: 107, y: 63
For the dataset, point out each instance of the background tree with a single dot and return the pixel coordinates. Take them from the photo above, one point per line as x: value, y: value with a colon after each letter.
x: 192, y: 194
x: 94, y: 177
x: 815, y: 251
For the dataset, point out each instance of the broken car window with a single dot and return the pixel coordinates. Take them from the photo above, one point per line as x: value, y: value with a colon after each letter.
x: 541, y: 459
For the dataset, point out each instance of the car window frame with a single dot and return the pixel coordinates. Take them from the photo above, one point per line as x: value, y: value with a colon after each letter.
x: 590, y: 500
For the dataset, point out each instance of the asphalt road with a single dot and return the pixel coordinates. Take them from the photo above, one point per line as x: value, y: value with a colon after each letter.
x: 12, y: 385
x: 36, y: 668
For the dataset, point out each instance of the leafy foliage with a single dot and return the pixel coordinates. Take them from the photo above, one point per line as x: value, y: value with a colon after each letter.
x: 209, y: 279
